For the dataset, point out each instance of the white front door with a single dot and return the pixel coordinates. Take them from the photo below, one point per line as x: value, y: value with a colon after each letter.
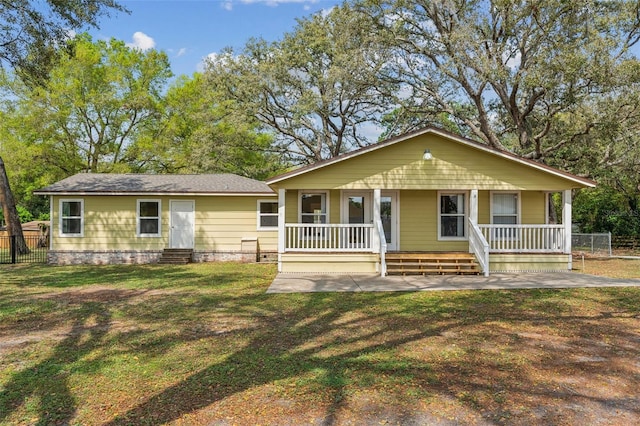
x: 182, y: 224
x: 389, y: 218
x: 357, y: 207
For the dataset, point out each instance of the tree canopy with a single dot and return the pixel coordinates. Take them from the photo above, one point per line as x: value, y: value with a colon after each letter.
x: 87, y: 115
x: 201, y: 133
x: 31, y: 36
x: 515, y: 75
x: 317, y: 89
x: 32, y: 32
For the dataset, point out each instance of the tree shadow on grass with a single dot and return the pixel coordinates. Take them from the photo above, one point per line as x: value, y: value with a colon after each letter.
x: 46, y: 383
x: 337, y: 339
x: 332, y: 338
x: 280, y: 349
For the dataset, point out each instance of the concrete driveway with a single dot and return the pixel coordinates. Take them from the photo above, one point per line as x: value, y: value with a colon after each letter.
x: 308, y: 283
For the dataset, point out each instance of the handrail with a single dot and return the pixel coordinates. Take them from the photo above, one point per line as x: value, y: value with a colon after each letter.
x: 329, y: 237
x: 534, y: 238
x: 479, y: 246
x: 383, y: 248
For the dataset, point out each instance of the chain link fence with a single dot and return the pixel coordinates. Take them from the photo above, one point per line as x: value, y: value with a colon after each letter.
x: 597, y: 244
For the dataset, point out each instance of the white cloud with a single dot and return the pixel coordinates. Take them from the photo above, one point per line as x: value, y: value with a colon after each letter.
x: 142, y: 41
x: 227, y: 5
x: 181, y: 52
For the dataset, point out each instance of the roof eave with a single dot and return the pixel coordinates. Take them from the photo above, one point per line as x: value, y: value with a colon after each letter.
x: 157, y: 194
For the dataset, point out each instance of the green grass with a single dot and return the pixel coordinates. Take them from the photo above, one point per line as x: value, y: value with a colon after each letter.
x: 203, y: 343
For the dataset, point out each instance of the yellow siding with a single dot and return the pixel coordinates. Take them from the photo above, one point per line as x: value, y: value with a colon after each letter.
x: 330, y: 263
x: 222, y: 223
x: 419, y: 224
x: 484, y: 207
x: 110, y: 224
x: 454, y: 166
x: 291, y: 206
x: 522, y: 262
x: 533, y: 205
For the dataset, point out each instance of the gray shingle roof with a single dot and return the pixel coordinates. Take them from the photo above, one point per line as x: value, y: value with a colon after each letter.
x: 106, y: 183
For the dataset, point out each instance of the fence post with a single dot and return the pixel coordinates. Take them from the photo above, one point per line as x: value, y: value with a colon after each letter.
x: 12, y: 248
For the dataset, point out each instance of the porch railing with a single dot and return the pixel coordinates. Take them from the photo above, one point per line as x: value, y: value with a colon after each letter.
x: 524, y: 238
x: 329, y: 237
x: 479, y: 246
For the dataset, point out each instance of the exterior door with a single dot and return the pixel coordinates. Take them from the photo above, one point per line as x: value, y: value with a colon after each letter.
x: 182, y: 224
x: 357, y: 207
x: 357, y: 210
x: 389, y: 218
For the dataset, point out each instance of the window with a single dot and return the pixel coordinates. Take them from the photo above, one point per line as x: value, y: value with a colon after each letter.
x: 148, y: 223
x: 267, y: 215
x: 313, y: 207
x: 504, y: 208
x: 72, y: 218
x: 452, y: 216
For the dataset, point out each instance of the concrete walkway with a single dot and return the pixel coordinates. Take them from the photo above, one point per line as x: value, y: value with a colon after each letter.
x: 307, y: 283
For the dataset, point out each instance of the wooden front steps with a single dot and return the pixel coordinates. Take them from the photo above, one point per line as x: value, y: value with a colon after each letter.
x: 176, y: 256
x: 421, y: 263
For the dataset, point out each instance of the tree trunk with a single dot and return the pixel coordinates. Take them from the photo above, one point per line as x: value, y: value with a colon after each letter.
x: 10, y: 213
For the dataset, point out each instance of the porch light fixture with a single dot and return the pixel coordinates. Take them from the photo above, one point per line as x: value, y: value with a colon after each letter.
x: 427, y: 155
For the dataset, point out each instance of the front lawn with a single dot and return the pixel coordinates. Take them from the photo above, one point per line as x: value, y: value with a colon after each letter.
x: 204, y: 344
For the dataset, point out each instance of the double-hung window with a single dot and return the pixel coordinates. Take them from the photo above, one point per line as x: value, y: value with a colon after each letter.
x: 313, y: 207
x: 504, y: 208
x: 72, y: 218
x: 149, y: 218
x: 452, y: 216
x: 505, y: 211
x: 267, y: 215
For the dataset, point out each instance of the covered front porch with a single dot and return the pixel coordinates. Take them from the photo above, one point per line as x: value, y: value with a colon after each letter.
x: 370, y: 223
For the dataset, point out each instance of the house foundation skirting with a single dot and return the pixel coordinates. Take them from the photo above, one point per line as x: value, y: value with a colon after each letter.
x: 201, y: 256
x: 103, y: 257
x: 117, y: 257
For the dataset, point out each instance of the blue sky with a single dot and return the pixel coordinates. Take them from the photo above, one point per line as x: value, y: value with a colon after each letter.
x: 189, y: 30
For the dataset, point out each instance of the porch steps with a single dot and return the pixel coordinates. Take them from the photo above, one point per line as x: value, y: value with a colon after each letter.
x: 176, y: 256
x: 421, y: 263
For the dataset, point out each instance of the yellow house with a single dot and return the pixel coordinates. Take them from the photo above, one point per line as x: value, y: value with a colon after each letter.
x: 135, y: 218
x: 424, y: 202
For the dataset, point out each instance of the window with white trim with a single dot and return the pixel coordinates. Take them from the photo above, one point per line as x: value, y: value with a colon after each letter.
x: 452, y: 216
x: 149, y: 218
x: 504, y: 208
x: 72, y: 218
x: 267, y: 215
x: 313, y: 207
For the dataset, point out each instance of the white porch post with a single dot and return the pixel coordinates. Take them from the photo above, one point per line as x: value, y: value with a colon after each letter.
x: 566, y: 221
x: 282, y: 233
x: 473, y: 210
x: 473, y: 206
x: 376, y: 218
